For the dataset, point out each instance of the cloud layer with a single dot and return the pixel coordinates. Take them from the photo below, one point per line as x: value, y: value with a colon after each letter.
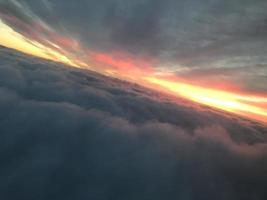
x: 190, y: 36
x: 73, y: 134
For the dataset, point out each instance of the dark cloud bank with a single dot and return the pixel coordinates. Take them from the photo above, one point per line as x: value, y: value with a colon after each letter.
x: 72, y: 134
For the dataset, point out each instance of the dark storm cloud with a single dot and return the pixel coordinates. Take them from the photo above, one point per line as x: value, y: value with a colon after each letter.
x: 72, y: 134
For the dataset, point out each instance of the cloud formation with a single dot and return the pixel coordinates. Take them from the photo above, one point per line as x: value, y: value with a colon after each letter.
x: 193, y: 35
x: 73, y: 134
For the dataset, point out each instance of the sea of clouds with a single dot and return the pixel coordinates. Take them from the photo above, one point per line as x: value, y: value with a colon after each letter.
x: 67, y: 133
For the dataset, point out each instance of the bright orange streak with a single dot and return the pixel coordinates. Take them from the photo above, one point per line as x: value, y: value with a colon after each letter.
x: 12, y: 39
x: 236, y: 103
x: 254, y: 107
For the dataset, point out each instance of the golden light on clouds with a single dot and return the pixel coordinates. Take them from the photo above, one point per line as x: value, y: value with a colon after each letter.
x: 12, y: 39
x: 251, y: 106
x: 245, y: 105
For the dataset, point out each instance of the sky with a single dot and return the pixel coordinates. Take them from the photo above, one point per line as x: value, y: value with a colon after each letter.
x: 89, y: 126
x: 209, y: 51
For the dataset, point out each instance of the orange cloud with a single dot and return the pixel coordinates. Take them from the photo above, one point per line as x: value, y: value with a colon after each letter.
x: 43, y: 42
x: 124, y: 65
x: 249, y: 106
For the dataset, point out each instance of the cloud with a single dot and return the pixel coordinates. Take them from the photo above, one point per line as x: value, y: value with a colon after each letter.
x: 175, y: 31
x: 73, y: 134
x: 226, y: 35
x: 250, y: 78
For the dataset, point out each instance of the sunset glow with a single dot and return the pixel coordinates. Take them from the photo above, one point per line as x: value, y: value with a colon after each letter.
x: 133, y: 99
x: 236, y: 103
x: 12, y: 39
x: 123, y: 66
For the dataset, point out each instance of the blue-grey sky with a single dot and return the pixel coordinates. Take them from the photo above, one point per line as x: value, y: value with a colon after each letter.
x: 204, y: 40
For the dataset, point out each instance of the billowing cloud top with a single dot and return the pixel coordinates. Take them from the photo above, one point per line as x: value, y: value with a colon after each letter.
x: 69, y: 133
x: 73, y: 134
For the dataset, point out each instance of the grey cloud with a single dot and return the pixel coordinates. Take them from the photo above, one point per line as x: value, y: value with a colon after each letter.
x: 251, y: 78
x: 73, y: 134
x: 194, y: 34
x: 176, y: 28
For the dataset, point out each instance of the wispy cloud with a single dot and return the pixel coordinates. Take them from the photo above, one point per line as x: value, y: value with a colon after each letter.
x: 221, y: 44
